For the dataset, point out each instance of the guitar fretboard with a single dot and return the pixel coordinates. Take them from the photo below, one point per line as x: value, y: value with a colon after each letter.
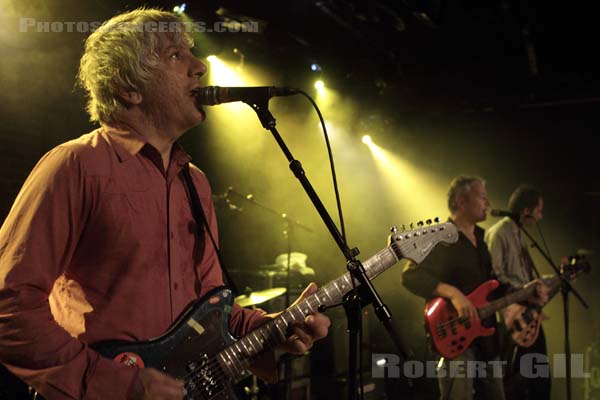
x: 237, y: 357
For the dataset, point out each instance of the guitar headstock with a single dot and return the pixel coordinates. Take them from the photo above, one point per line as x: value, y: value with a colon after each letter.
x: 416, y: 244
x: 574, y: 265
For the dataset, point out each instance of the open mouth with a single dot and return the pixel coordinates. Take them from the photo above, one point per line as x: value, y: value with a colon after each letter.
x: 194, y: 92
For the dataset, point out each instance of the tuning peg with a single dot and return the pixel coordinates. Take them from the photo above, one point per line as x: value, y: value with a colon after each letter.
x: 436, y: 220
x: 420, y: 223
x: 403, y: 227
x: 394, y: 229
x: 412, y: 226
x: 428, y: 222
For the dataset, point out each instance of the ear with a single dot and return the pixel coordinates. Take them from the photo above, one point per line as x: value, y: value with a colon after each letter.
x: 131, y: 97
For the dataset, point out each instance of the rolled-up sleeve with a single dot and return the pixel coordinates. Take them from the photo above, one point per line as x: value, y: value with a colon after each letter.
x: 37, y: 242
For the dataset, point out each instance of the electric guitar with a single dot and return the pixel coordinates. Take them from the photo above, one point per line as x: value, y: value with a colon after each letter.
x: 451, y: 335
x: 524, y: 321
x: 199, y: 350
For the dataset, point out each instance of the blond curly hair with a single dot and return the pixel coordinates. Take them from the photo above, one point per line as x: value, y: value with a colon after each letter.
x: 123, y: 55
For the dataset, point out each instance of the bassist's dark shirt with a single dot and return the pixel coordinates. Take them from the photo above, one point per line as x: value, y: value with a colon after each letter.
x: 461, y: 265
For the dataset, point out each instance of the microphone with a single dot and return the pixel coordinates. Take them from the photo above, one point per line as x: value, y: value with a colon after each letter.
x: 213, y: 95
x: 503, y: 213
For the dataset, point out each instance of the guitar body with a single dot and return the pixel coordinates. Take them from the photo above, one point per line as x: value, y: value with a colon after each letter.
x: 187, y: 351
x: 450, y: 335
x: 524, y: 323
x: 187, y: 347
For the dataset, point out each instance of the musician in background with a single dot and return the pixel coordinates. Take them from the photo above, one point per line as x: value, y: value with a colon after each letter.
x: 101, y: 243
x: 514, y: 267
x: 453, y: 271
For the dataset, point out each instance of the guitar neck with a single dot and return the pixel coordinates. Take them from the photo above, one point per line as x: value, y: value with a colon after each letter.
x: 554, y: 286
x: 276, y: 331
x: 515, y: 297
x: 518, y: 296
x: 415, y: 244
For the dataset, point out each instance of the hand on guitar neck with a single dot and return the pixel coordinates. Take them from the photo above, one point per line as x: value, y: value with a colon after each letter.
x: 542, y: 292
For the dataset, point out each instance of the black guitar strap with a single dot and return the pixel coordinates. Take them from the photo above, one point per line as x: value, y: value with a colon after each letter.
x: 200, y: 217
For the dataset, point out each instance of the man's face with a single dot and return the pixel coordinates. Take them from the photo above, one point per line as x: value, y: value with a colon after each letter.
x: 476, y: 203
x: 533, y: 216
x: 168, y: 100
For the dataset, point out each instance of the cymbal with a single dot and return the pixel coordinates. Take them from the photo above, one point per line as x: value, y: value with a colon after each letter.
x: 259, y: 297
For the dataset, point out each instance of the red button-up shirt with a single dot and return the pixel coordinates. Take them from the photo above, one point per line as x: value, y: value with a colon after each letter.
x: 101, y: 244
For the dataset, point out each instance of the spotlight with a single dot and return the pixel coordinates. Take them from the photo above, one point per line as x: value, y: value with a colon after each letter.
x: 366, y: 139
x: 211, y: 58
x: 315, y: 67
x: 179, y: 9
x: 319, y: 85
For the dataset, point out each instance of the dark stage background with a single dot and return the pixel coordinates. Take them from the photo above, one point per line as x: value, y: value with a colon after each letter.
x: 508, y: 90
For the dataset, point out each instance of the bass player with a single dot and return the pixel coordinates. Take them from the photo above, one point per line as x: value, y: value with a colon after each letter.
x: 454, y: 271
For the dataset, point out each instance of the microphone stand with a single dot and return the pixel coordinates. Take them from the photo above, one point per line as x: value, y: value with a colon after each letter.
x: 565, y: 289
x: 367, y: 294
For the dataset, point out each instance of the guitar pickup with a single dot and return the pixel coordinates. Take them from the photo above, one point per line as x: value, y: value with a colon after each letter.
x: 441, y: 332
x: 517, y: 326
x: 453, y: 327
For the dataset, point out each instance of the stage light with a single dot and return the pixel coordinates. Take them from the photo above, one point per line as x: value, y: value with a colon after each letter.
x: 381, y: 362
x: 319, y: 85
x: 366, y: 139
x: 223, y: 74
x: 315, y: 67
x: 179, y: 9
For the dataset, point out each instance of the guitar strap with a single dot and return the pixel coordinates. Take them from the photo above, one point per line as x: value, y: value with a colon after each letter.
x: 533, y: 271
x: 201, y: 222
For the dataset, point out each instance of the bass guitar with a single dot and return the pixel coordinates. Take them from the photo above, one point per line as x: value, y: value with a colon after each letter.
x: 524, y: 321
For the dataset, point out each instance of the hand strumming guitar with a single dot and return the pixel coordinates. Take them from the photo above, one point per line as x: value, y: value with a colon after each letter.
x: 461, y: 303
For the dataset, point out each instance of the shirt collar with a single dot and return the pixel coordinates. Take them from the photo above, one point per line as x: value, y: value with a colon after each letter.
x: 125, y: 142
x: 128, y: 143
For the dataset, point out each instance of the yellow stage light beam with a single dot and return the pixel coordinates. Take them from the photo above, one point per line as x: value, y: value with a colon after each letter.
x: 418, y: 193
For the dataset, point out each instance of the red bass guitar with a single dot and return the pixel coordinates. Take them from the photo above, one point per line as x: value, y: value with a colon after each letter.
x: 451, y: 335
